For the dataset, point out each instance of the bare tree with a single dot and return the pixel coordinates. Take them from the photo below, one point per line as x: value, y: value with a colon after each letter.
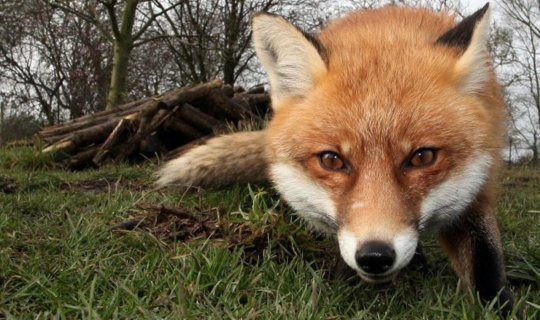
x: 54, y: 64
x: 20, y: 60
x: 2, y: 123
x: 523, y: 18
x: 213, y: 38
x: 194, y: 45
x: 125, y: 26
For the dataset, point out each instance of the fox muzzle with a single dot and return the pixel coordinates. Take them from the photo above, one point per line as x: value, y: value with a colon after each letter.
x: 377, y: 260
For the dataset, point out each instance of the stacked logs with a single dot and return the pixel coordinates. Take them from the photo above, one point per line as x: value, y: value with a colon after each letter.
x: 154, y: 125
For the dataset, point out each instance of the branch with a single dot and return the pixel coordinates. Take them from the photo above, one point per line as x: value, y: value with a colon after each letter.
x: 112, y: 15
x: 152, y: 18
x: 88, y: 18
x: 160, y: 37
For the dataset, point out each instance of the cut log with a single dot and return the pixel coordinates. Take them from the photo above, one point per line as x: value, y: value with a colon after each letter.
x: 182, y: 128
x: 153, y: 125
x: 189, y: 94
x: 182, y: 149
x: 101, y: 114
x: 132, y: 144
x: 60, y: 146
x: 227, y: 90
x: 256, y: 98
x: 197, y: 118
x: 230, y: 106
x: 86, y: 136
x: 238, y: 89
x: 111, y: 141
x: 94, y: 119
x: 83, y: 158
x: 170, y: 99
x: 256, y: 90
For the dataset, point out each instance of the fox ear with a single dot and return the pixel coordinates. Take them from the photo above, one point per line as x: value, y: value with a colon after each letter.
x: 470, y: 36
x: 292, y: 59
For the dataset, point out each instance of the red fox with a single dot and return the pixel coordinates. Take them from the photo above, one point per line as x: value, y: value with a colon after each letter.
x: 388, y: 123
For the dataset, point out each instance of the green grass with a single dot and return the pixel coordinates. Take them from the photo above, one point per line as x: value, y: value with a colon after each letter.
x: 59, y: 258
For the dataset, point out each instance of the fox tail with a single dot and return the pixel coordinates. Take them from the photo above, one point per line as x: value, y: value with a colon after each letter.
x: 221, y: 161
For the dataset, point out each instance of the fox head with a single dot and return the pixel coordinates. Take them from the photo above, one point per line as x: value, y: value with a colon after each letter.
x: 384, y: 125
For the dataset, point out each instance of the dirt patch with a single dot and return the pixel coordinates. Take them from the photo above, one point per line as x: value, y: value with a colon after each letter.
x: 181, y: 225
x: 7, y: 185
x: 171, y: 225
x: 177, y: 224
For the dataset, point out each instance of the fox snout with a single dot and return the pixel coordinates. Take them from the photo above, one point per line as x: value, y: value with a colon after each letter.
x: 375, y: 257
x: 376, y: 260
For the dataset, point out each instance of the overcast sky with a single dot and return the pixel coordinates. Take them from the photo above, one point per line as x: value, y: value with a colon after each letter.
x: 473, y: 5
x: 477, y: 4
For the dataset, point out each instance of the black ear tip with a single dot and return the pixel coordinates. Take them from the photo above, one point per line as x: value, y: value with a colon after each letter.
x: 481, y: 12
x: 460, y: 36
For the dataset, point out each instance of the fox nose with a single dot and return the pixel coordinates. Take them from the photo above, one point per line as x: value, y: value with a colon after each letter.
x: 375, y: 257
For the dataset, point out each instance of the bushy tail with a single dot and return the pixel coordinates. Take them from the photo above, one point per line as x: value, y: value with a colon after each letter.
x: 223, y: 160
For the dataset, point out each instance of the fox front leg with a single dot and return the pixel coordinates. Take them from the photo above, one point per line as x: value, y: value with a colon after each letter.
x: 474, y: 247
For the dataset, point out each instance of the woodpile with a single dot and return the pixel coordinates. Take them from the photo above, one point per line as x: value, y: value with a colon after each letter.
x: 159, y: 125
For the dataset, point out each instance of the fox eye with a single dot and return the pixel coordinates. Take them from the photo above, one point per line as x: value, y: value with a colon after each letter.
x: 331, y: 161
x: 422, y: 157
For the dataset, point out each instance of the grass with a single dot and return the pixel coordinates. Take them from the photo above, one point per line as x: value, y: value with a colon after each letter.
x: 60, y: 259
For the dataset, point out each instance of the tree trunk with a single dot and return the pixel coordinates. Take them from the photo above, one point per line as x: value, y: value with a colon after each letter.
x: 510, y: 144
x: 2, y: 123
x: 535, y: 161
x: 122, y: 46
x: 117, y: 87
x: 228, y: 71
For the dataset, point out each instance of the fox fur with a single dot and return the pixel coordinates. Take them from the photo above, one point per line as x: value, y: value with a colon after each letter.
x: 224, y: 160
x: 358, y: 110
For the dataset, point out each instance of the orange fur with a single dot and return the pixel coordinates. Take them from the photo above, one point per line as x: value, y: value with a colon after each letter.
x: 388, y: 86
